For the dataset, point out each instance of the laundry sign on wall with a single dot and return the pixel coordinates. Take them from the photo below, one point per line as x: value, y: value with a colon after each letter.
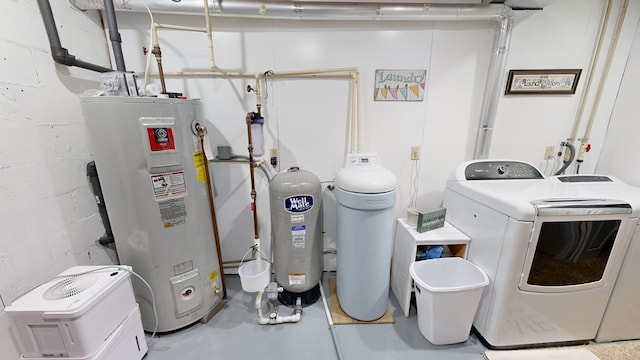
x: 399, y: 85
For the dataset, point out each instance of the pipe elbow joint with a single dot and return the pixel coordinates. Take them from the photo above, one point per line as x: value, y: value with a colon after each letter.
x: 62, y: 56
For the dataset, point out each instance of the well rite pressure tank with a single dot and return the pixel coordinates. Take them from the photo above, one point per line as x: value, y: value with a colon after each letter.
x: 296, y: 203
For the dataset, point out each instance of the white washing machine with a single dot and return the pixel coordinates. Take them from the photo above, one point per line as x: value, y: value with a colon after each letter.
x: 552, y: 248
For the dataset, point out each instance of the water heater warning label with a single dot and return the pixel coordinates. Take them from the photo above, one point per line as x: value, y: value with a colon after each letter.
x: 168, y: 185
x: 173, y: 212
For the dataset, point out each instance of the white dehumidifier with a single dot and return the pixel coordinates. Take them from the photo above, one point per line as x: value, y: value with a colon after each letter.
x: 85, y: 313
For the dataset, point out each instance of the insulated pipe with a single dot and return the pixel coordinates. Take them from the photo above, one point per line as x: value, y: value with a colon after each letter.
x: 61, y: 55
x: 114, y: 35
x: 493, y: 88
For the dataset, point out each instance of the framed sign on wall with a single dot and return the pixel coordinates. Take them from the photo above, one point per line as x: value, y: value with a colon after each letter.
x: 542, y: 82
x: 399, y: 85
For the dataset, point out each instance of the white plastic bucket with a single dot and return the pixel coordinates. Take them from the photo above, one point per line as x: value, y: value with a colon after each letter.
x: 255, y: 275
x: 448, y: 292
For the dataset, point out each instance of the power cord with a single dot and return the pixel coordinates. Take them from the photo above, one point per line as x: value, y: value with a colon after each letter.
x: 127, y: 269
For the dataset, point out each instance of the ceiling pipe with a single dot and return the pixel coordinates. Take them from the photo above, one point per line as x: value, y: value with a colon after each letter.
x: 60, y: 54
x: 499, y: 13
x: 309, y: 10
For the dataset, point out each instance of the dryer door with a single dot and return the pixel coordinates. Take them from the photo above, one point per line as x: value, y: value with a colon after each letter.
x: 575, y: 244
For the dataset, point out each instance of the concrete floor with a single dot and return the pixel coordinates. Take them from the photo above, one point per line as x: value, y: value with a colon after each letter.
x: 233, y: 333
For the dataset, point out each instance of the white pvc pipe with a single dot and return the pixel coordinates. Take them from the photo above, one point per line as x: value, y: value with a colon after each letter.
x: 350, y: 73
x: 207, y: 17
x: 605, y: 73
x: 357, y: 11
x: 293, y: 318
x: 587, y: 87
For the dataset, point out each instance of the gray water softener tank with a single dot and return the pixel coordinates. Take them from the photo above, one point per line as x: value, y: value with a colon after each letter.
x: 296, y: 202
x: 365, y: 195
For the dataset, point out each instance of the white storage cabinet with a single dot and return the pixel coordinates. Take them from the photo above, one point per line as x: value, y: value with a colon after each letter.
x: 409, y: 244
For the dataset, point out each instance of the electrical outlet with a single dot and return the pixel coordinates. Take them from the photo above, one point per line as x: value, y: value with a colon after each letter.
x: 415, y: 152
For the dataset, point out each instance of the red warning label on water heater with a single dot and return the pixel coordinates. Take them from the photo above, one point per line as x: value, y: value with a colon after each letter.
x: 161, y: 138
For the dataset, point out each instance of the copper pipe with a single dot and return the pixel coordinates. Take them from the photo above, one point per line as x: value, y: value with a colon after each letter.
x: 212, y: 209
x: 256, y: 234
x: 158, y: 54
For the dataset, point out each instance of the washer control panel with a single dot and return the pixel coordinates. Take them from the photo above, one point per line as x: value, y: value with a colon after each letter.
x: 501, y: 170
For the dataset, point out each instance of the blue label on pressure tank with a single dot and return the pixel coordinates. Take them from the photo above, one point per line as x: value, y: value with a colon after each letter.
x: 298, y: 203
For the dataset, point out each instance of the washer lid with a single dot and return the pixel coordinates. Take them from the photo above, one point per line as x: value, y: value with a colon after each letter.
x: 366, y: 180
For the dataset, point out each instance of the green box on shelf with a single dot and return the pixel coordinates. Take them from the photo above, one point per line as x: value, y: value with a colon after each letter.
x: 430, y: 219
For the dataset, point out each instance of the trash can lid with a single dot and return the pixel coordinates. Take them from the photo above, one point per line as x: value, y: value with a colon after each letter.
x: 364, y: 174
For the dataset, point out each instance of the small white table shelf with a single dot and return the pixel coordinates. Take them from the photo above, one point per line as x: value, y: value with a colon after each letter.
x: 406, y: 245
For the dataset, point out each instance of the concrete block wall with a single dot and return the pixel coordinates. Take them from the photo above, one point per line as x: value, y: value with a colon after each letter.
x: 48, y: 218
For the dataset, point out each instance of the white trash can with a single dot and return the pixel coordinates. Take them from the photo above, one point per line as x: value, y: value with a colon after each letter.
x: 448, y: 292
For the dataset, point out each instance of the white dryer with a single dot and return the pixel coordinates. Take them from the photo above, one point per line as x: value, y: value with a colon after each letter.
x: 552, y: 248
x: 622, y: 316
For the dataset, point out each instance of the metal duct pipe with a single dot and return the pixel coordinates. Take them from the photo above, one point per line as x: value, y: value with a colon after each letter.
x: 493, y: 88
x: 114, y: 35
x: 310, y: 10
x: 60, y: 54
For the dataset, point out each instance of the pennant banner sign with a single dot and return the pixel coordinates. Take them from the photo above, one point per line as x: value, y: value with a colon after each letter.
x: 399, y: 85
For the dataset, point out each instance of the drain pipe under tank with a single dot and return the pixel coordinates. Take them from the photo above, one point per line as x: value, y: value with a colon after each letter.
x: 60, y: 54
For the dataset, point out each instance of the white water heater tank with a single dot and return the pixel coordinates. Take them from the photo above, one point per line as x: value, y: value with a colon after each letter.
x: 151, y: 170
x: 296, y: 201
